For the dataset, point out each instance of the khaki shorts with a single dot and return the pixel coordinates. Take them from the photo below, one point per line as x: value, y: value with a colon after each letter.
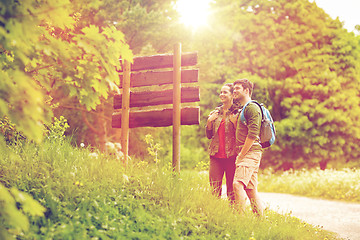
x: 247, y: 169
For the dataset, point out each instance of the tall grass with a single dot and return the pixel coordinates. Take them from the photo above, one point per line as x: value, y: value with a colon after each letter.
x: 328, y: 184
x: 90, y: 197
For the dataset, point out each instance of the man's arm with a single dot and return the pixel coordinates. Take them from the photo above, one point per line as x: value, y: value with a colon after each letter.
x: 253, y: 117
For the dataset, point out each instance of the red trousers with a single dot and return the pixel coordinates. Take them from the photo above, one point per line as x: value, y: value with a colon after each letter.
x: 219, y: 166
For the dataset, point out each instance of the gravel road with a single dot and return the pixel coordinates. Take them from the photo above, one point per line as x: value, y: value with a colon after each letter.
x: 339, y: 217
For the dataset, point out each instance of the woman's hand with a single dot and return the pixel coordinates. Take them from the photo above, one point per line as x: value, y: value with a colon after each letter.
x: 212, y: 116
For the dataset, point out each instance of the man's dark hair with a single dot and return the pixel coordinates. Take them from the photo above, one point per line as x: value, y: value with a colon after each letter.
x: 246, y: 84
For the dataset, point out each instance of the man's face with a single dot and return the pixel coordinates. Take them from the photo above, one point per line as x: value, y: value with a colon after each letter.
x: 239, y: 92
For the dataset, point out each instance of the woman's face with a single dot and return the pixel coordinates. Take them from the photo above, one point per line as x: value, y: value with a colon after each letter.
x: 225, y: 94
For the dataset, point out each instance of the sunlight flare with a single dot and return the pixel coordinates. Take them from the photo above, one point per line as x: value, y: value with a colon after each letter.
x: 193, y: 13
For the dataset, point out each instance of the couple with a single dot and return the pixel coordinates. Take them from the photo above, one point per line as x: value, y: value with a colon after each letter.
x: 235, y: 148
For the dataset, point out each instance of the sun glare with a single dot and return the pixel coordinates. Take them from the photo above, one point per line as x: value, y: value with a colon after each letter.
x: 193, y: 13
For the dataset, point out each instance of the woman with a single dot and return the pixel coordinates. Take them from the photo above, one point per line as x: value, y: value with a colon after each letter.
x: 220, y: 128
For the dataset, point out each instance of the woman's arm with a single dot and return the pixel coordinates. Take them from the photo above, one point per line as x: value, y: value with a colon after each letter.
x: 209, y: 124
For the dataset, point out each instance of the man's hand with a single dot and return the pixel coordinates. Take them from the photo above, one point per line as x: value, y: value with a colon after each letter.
x: 234, y: 118
x: 247, y: 145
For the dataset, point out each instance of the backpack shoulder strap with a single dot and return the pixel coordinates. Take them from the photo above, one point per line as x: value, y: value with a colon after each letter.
x: 242, y: 113
x: 261, y: 108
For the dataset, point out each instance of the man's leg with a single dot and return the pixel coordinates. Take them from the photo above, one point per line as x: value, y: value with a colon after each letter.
x: 240, y: 196
x: 255, y: 201
x: 216, y: 174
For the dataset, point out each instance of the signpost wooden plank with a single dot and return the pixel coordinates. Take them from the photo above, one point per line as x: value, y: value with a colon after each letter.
x: 141, y: 79
x: 158, y: 118
x: 162, y: 61
x: 152, y: 98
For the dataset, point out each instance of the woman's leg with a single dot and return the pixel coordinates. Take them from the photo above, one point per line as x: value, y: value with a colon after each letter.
x: 229, y: 173
x: 216, y: 173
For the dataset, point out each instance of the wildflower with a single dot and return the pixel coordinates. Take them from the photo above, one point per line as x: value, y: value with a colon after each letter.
x: 118, y: 146
x: 120, y: 155
x: 79, y: 184
x: 110, y: 146
x: 82, y: 145
x: 94, y: 155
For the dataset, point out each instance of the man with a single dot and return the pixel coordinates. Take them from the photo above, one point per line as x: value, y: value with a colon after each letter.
x: 248, y: 160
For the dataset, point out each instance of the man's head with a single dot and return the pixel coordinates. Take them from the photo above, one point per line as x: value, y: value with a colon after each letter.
x: 243, y: 88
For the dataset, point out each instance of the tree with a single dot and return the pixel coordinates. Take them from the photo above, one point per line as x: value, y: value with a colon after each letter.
x: 309, y: 66
x: 147, y: 28
x: 45, y: 48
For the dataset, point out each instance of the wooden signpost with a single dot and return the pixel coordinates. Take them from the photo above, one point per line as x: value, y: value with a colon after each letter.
x: 145, y: 72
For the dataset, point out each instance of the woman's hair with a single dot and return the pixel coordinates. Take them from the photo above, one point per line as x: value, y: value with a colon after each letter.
x: 230, y: 85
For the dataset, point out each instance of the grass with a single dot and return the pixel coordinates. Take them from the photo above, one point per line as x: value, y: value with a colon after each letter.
x: 90, y: 197
x: 327, y: 184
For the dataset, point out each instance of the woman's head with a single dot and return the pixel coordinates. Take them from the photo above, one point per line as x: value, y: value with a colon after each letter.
x: 226, y: 93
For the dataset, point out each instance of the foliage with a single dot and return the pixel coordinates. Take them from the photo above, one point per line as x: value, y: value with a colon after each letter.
x: 307, y: 68
x: 15, y: 206
x: 190, y: 155
x: 47, y: 48
x: 148, y: 28
x: 329, y: 184
x: 57, y: 129
x: 202, y: 166
x: 9, y: 132
x: 153, y: 148
x: 88, y: 198
x: 191, y: 149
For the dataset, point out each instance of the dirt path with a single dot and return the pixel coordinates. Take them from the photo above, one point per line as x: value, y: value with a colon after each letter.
x: 339, y: 217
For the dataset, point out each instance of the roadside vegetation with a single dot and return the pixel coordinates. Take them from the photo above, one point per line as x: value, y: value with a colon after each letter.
x: 327, y: 184
x: 89, y: 195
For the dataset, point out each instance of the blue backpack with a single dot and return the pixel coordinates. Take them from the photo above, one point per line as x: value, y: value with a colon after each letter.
x: 267, y: 129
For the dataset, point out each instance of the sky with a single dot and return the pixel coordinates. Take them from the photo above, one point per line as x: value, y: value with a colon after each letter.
x: 348, y: 11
